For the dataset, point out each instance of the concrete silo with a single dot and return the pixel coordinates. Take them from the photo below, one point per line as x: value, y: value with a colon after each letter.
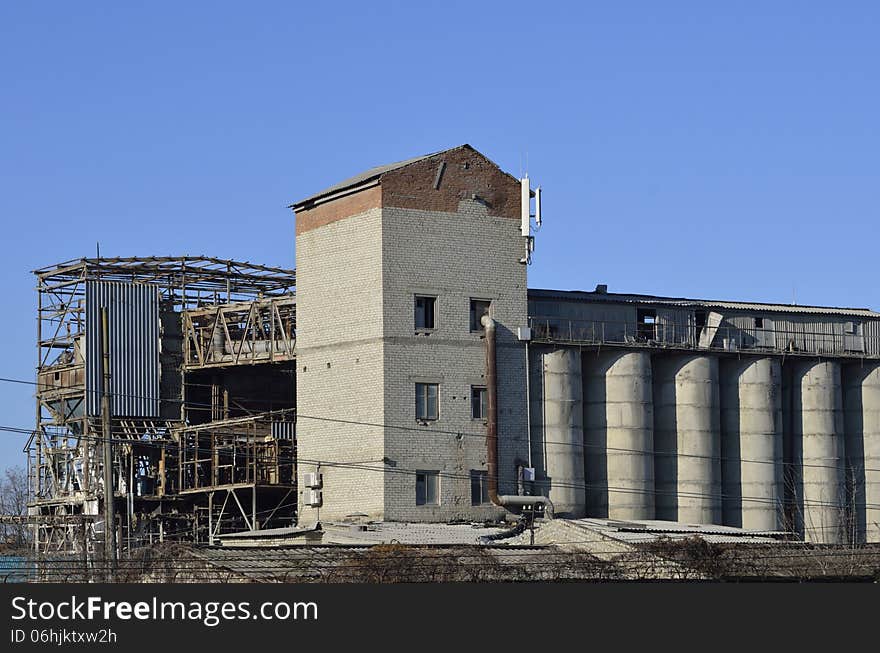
x: 687, y: 442
x: 861, y: 388
x: 563, y: 431
x: 818, y: 450
x: 619, y: 434
x: 752, y: 443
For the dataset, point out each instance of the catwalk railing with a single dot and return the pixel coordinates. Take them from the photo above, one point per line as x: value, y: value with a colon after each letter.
x: 832, y: 339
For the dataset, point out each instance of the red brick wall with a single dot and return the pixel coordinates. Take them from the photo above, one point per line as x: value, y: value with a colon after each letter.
x: 467, y: 173
x: 334, y: 210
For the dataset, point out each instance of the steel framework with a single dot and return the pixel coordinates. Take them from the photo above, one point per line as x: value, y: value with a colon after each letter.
x: 202, y: 302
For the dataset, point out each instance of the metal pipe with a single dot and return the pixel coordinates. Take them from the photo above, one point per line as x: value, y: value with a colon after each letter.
x: 492, y: 432
x: 528, y: 406
x: 492, y: 408
x: 109, y: 508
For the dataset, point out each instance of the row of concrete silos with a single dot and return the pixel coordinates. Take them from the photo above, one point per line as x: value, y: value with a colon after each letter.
x: 748, y: 442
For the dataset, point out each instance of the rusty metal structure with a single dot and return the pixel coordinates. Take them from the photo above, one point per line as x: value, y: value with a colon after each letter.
x: 202, y: 390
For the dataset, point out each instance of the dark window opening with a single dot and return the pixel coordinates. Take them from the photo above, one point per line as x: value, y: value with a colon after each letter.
x: 647, y: 324
x: 479, y: 487
x: 427, y: 488
x: 759, y: 322
x: 700, y: 321
x: 425, y: 312
x: 479, y: 308
x: 427, y: 401
x: 478, y: 402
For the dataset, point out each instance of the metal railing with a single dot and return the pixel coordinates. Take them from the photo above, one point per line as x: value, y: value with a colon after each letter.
x: 831, y: 340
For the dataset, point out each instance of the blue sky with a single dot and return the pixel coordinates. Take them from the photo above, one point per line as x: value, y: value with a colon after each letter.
x: 723, y: 150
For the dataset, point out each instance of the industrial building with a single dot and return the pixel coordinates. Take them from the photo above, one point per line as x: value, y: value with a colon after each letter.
x: 199, y: 392
x: 407, y: 373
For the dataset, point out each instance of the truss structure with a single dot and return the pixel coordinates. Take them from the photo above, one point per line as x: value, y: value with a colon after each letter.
x: 212, y: 313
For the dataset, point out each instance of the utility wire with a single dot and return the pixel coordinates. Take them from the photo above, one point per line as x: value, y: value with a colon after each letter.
x: 482, y: 436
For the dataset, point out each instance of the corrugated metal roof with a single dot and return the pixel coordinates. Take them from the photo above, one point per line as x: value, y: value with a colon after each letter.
x: 408, y: 533
x: 618, y: 298
x: 285, y: 531
x: 367, y: 176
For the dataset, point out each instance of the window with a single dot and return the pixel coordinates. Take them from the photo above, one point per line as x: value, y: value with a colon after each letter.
x: 425, y: 312
x: 700, y: 319
x: 759, y: 322
x: 479, y: 487
x: 478, y: 402
x: 853, y: 328
x: 479, y: 308
x: 647, y: 324
x: 427, y: 488
x: 427, y: 395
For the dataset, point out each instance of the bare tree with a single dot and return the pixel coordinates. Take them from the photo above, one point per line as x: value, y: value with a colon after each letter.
x: 13, y: 501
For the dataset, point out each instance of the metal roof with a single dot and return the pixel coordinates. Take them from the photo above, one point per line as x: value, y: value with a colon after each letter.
x: 408, y: 533
x: 286, y: 531
x: 205, y: 273
x: 365, y: 178
x: 618, y: 298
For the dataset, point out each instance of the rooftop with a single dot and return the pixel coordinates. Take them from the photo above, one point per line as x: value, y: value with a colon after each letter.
x: 618, y: 298
x: 195, y: 273
x: 367, y: 178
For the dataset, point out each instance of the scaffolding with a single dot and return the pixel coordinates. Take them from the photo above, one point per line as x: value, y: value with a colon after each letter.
x: 201, y: 350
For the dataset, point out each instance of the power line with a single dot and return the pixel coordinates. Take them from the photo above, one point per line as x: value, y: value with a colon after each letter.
x: 482, y: 436
x: 362, y: 466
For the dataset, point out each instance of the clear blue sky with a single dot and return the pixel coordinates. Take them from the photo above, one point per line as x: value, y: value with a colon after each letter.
x: 685, y: 148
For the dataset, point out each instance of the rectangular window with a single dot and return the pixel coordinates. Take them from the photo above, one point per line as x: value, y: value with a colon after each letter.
x: 646, y: 329
x: 478, y: 402
x: 427, y: 401
x: 427, y: 488
x: 479, y: 487
x: 700, y: 318
x: 425, y: 312
x: 759, y: 322
x: 479, y: 308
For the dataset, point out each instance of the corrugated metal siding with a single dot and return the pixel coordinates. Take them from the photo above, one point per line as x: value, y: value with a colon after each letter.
x: 284, y: 430
x: 675, y: 326
x: 653, y: 300
x: 133, y: 324
x: 604, y: 321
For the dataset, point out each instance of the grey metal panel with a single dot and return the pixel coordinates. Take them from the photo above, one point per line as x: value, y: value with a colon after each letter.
x: 133, y: 325
x: 675, y: 325
x: 284, y: 430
